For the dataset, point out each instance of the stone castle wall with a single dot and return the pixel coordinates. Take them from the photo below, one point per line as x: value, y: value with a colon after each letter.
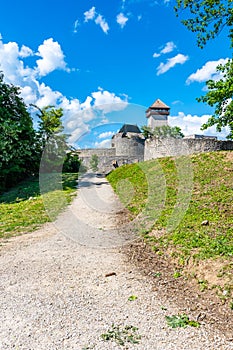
x: 130, y: 150
x: 157, y: 148
x: 107, y: 157
x: 131, y: 147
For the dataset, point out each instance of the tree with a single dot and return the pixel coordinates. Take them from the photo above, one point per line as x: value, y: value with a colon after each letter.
x: 220, y: 95
x: 147, y: 131
x: 207, y: 19
x: 50, y: 123
x: 51, y: 139
x: 19, y: 151
x: 163, y: 132
x: 72, y: 163
x: 94, y: 162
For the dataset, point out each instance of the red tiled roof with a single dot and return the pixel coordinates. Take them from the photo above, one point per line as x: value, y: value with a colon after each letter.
x: 159, y: 104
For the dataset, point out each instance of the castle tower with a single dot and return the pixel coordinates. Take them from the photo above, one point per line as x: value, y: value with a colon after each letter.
x: 157, y: 114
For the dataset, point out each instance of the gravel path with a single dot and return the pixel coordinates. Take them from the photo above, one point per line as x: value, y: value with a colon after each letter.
x: 55, y: 293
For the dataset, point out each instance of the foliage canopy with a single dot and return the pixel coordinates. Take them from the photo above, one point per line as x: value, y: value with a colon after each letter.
x: 162, y: 131
x: 207, y: 18
x: 17, y: 137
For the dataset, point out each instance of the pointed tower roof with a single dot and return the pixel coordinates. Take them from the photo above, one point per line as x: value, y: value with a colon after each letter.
x: 159, y: 104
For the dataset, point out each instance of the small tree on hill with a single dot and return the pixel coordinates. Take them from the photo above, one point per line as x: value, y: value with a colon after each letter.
x: 164, y: 131
x: 94, y: 162
x: 51, y: 138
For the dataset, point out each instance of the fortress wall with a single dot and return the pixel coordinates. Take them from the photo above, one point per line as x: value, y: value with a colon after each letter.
x: 100, y: 152
x: 105, y: 163
x: 130, y: 147
x: 158, y: 148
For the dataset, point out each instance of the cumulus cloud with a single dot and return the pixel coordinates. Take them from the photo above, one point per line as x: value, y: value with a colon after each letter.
x: 90, y: 14
x: 103, y: 144
x: 102, y: 23
x: 191, y: 124
x: 25, y: 52
x: 12, y: 64
x: 52, y: 57
x: 106, y: 134
x: 121, y: 19
x: 29, y: 94
x: 77, y: 114
x: 167, y: 48
x: 171, y: 62
x: 108, y: 101
x: 206, y: 72
x: 47, y: 96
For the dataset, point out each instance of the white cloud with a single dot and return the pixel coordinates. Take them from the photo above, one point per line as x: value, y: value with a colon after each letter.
x: 90, y: 14
x: 171, y: 62
x: 122, y: 19
x: 123, y: 4
x: 25, y: 52
x: 12, y: 65
x: 106, y: 134
x: 103, y: 24
x: 107, y: 101
x: 168, y: 47
x: 77, y: 115
x: 206, y: 72
x: 191, y: 124
x: 52, y: 57
x: 103, y: 144
x: 47, y: 96
x: 28, y: 94
x: 76, y: 25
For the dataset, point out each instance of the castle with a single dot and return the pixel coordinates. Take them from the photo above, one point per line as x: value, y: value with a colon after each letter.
x: 129, y: 145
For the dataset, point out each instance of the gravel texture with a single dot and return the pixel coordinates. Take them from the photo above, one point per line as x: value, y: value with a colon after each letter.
x: 56, y: 293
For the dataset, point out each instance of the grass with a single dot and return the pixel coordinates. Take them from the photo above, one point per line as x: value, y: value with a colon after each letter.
x: 23, y: 207
x: 129, y: 182
x: 175, y: 208
x: 211, y: 199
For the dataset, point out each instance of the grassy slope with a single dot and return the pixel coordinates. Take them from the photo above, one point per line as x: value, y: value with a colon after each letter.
x: 211, y: 199
x: 22, y: 208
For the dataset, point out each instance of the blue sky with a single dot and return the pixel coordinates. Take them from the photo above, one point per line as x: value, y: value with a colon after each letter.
x: 105, y: 62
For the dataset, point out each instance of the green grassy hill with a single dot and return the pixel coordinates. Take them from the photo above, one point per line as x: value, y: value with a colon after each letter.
x: 188, y: 201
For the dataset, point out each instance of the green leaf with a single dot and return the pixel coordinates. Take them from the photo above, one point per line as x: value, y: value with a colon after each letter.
x: 132, y: 298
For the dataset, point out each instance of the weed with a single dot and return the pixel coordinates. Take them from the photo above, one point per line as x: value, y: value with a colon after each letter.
x: 157, y: 274
x: 132, y: 298
x: 177, y: 274
x: 122, y: 335
x: 182, y: 320
x: 203, y: 284
x: 163, y: 308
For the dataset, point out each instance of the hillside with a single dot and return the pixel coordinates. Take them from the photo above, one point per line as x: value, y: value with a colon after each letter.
x: 188, y: 204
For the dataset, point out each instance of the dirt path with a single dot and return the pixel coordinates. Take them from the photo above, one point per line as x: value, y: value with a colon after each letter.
x: 55, y: 292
